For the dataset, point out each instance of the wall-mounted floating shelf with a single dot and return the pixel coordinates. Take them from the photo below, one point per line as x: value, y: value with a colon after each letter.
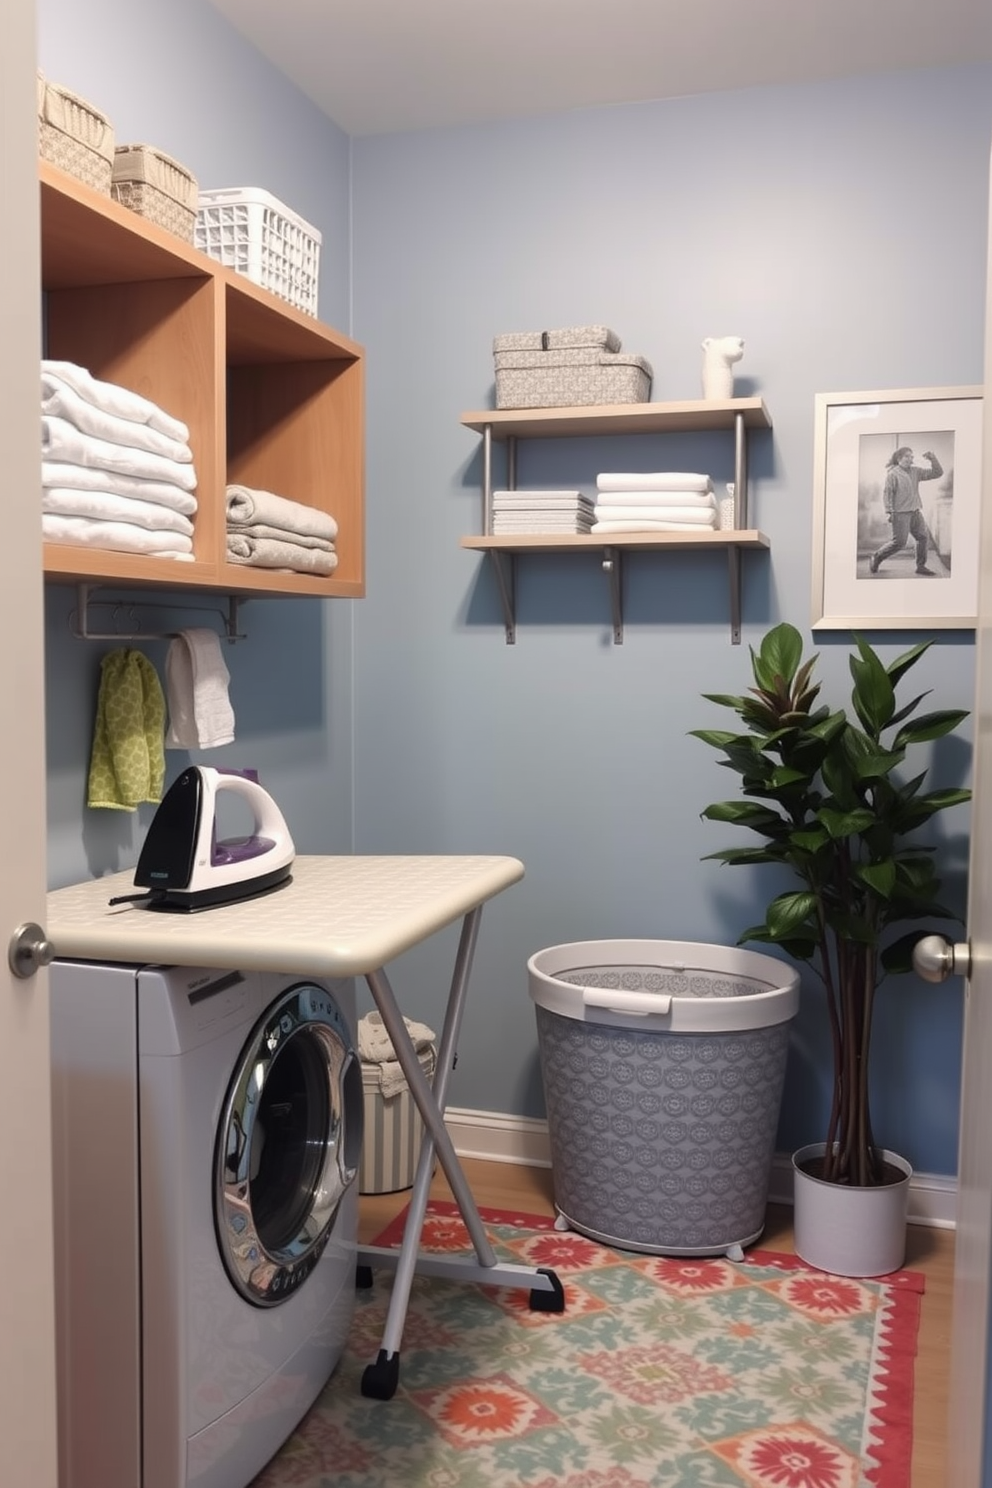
x: 738, y: 416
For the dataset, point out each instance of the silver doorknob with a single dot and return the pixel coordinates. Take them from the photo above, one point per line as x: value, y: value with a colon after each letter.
x: 935, y: 959
x: 29, y: 949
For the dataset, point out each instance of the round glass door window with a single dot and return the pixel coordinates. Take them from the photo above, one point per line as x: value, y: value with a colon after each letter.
x: 289, y: 1144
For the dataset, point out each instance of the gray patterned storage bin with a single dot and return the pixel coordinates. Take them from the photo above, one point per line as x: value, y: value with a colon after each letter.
x: 663, y: 1064
x: 571, y: 379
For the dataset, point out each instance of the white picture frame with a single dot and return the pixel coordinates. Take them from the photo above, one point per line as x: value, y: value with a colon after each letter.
x: 859, y: 583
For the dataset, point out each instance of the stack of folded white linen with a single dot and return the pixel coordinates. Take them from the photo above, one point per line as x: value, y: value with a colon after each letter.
x: 541, y: 511
x: 663, y: 501
x: 117, y: 470
x: 270, y: 531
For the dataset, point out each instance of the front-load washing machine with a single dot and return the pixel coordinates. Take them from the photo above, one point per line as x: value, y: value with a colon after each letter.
x: 207, y: 1130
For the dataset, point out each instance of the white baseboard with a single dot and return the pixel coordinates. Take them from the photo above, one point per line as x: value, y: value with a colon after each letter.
x: 496, y: 1137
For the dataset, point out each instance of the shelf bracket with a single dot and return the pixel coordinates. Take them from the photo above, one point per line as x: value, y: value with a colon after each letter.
x: 504, y: 567
x: 613, y: 569
x: 734, y: 562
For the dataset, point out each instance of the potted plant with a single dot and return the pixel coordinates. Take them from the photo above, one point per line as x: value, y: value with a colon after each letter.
x: 824, y: 792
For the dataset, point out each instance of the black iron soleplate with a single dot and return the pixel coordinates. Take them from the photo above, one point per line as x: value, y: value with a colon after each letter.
x: 179, y: 901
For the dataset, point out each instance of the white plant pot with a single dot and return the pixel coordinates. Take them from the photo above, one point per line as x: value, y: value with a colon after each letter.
x: 850, y: 1231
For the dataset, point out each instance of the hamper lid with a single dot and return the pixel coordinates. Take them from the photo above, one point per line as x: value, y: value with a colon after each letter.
x: 570, y: 336
x: 664, y: 986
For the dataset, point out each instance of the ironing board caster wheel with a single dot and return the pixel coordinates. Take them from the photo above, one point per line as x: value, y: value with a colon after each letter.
x: 553, y: 1301
x: 381, y: 1378
x: 363, y: 1278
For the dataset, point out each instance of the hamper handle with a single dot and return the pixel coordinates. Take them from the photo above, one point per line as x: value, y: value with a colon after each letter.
x: 638, y: 1004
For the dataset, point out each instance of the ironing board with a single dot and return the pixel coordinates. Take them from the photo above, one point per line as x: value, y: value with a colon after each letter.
x: 338, y: 917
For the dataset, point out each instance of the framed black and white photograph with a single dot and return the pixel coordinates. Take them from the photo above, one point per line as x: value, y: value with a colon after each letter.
x: 897, y: 499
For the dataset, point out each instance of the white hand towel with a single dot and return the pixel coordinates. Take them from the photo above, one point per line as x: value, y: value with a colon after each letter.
x: 246, y: 505
x: 120, y: 537
x: 104, y: 506
x: 651, y: 527
x: 659, y: 480
x: 80, y: 478
x: 200, y: 712
x: 655, y: 498
x: 61, y: 401
x: 120, y: 401
x: 268, y: 552
x: 698, y: 516
x: 60, y: 440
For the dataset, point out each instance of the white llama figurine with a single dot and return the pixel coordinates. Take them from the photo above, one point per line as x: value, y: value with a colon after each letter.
x: 719, y: 355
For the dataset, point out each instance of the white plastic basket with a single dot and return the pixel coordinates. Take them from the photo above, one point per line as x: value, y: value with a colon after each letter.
x: 254, y: 233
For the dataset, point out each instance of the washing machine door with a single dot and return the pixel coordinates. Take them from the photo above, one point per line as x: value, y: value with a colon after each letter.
x: 289, y: 1144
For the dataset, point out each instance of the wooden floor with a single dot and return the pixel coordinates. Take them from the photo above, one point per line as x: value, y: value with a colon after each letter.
x: 528, y: 1189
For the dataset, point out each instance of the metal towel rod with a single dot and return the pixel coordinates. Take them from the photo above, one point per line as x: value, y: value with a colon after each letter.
x: 81, y: 628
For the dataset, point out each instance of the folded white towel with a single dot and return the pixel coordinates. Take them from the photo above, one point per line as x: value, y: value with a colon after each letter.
x: 60, y: 440
x: 59, y: 473
x: 119, y: 401
x: 121, y: 537
x: 200, y: 712
x: 535, y: 501
x: 246, y: 505
x: 107, y: 507
x: 697, y: 516
x: 269, y: 552
x: 659, y: 480
x: 536, y: 522
x: 281, y: 534
x: 62, y: 401
x: 546, y: 498
x: 656, y: 498
x: 652, y: 527
x: 376, y: 1047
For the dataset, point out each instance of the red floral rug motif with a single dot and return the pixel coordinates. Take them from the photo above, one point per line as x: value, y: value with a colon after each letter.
x: 661, y: 1373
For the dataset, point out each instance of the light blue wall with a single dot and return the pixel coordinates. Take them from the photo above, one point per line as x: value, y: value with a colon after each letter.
x: 841, y: 230
x: 174, y: 74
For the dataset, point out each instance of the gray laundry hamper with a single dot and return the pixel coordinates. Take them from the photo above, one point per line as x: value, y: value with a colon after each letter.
x: 663, y: 1063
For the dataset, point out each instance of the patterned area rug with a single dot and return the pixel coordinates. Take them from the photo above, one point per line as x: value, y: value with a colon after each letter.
x: 660, y: 1373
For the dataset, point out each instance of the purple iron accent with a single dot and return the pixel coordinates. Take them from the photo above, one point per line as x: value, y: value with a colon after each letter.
x: 249, y: 774
x: 238, y: 850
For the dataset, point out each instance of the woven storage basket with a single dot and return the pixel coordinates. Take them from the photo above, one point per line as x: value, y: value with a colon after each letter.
x: 254, y: 233
x: 155, y: 186
x: 75, y: 136
x: 571, y: 379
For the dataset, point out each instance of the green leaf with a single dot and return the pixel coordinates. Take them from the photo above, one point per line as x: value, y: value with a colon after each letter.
x: 880, y: 877
x: 902, y: 664
x: 785, y: 776
x: 789, y: 911
x: 930, y: 726
x: 810, y: 839
x: 779, y: 657
x: 736, y: 855
x: 719, y: 738
x: 845, y: 823
x: 742, y: 814
x: 873, y: 696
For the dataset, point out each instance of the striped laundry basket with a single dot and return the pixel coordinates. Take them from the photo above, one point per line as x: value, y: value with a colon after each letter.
x: 393, y: 1131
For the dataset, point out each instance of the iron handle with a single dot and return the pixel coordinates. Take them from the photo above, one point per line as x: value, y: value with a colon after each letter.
x: 935, y: 958
x: 29, y: 950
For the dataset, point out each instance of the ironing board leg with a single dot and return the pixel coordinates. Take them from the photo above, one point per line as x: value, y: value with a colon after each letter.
x: 546, y: 1294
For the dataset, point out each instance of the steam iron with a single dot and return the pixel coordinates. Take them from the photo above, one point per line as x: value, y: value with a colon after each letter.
x: 184, y: 867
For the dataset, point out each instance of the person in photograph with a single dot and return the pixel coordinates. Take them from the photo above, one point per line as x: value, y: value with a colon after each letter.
x: 904, y: 507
